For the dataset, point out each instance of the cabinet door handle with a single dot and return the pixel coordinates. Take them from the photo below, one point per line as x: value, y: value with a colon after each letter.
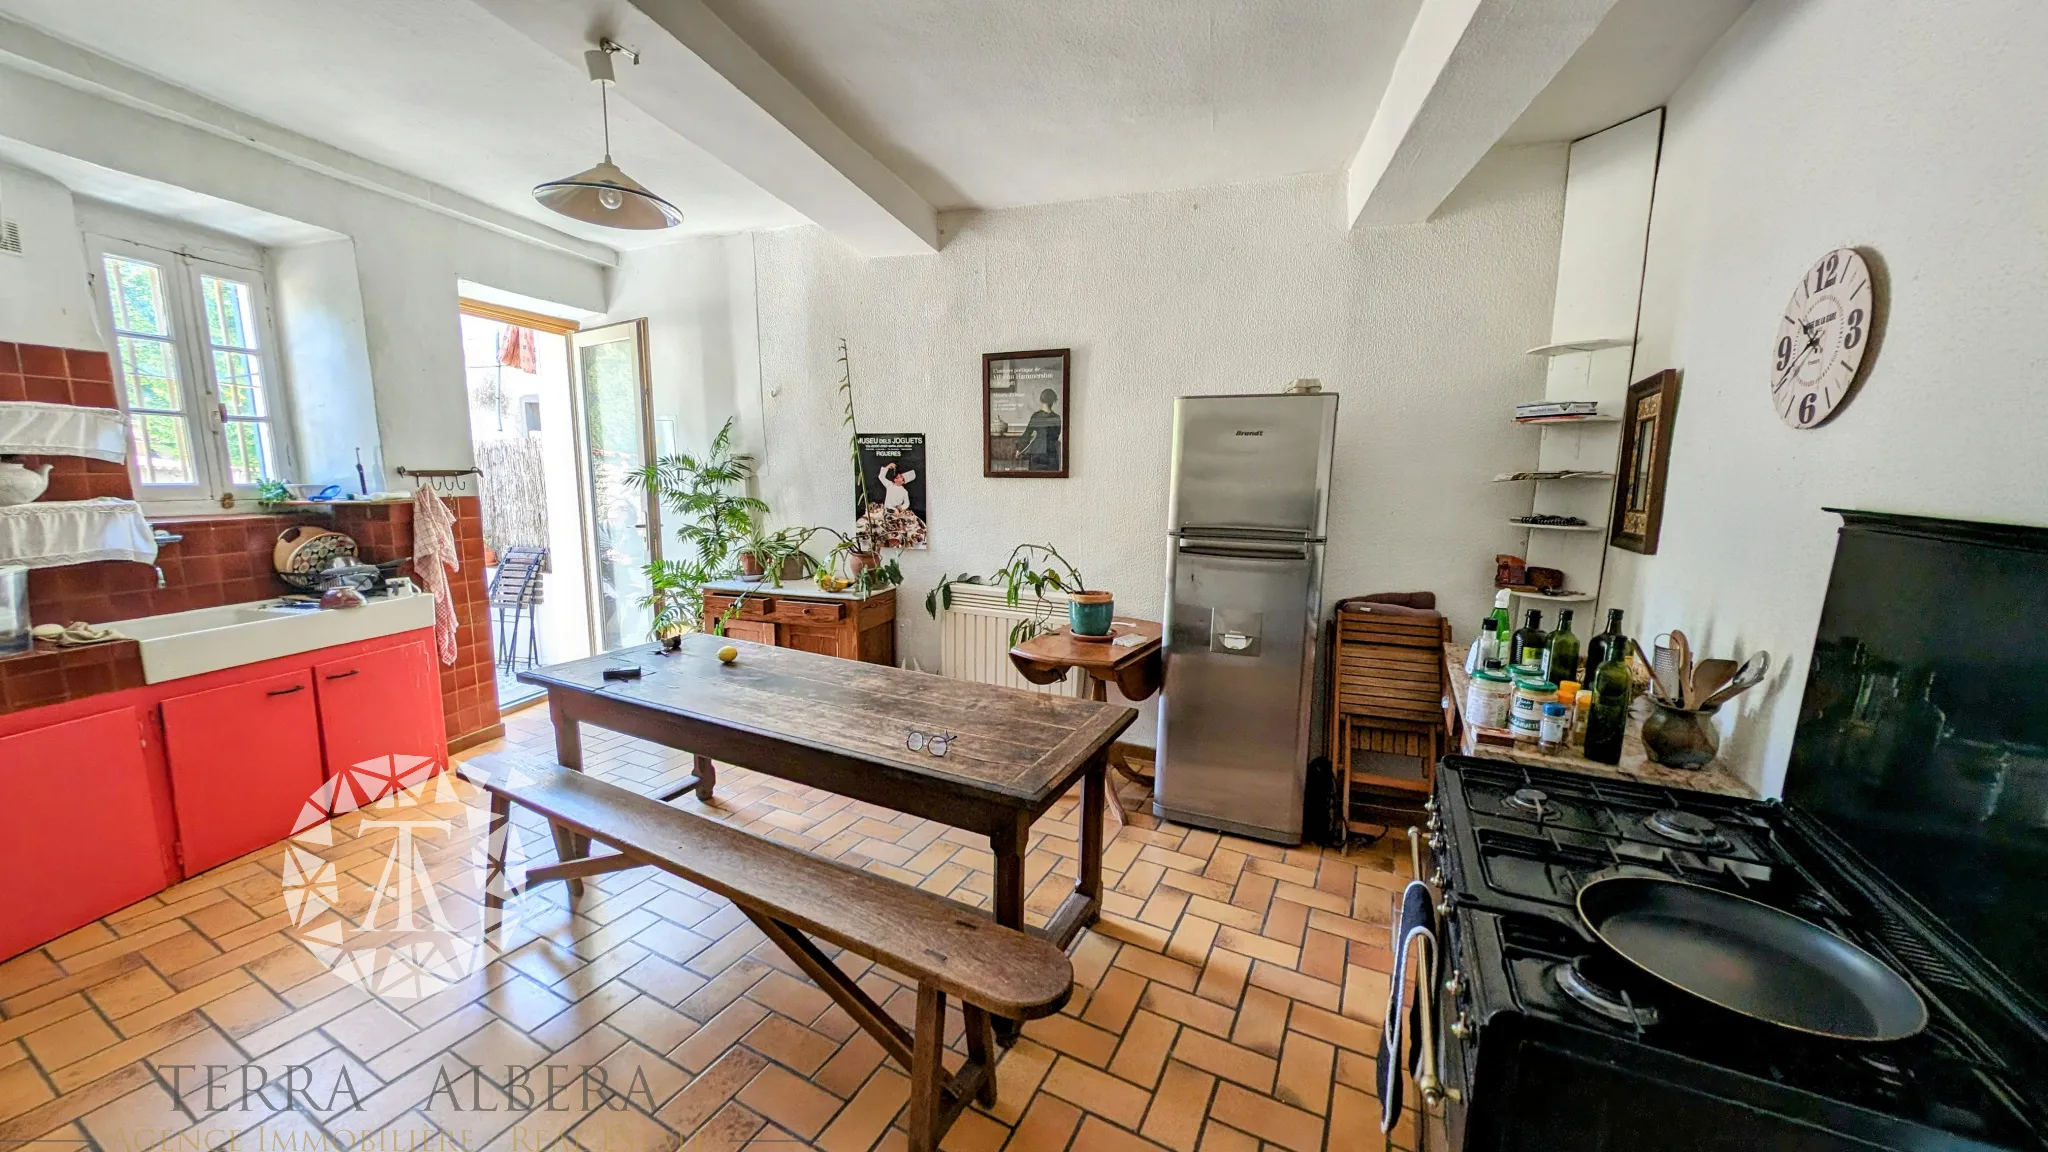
x: 286, y: 691
x: 344, y: 675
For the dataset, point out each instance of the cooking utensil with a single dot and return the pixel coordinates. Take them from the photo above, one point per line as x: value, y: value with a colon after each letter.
x: 1751, y: 958
x: 1664, y: 664
x: 1710, y: 676
x: 1641, y: 667
x: 1750, y: 675
x: 1681, y: 648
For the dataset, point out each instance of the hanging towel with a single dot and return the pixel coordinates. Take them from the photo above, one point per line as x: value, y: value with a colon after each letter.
x: 516, y: 350
x: 433, y: 557
x: 1417, y: 922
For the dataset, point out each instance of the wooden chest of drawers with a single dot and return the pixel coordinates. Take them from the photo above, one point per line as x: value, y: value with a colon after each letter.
x: 800, y: 615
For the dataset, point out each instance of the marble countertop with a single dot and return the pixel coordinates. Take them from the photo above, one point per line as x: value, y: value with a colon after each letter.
x: 1636, y: 765
x: 806, y: 589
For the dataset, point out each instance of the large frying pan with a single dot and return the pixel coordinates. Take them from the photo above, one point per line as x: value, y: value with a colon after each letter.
x: 1751, y: 958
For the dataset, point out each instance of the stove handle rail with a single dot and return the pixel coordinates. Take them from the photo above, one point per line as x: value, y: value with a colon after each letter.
x: 1435, y: 1093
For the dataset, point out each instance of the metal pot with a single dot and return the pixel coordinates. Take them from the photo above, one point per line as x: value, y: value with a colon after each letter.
x: 1680, y: 737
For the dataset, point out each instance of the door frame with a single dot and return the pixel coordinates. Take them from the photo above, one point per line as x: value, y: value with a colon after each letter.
x: 567, y: 329
x: 591, y: 598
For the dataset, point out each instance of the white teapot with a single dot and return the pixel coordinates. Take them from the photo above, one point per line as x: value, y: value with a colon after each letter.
x: 19, y: 485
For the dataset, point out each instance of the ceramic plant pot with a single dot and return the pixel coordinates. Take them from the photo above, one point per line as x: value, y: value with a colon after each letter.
x: 750, y: 566
x: 1677, y: 738
x: 859, y: 562
x: 1089, y: 613
x: 19, y: 485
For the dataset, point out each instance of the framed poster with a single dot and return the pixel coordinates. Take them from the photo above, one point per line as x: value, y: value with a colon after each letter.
x: 1025, y: 420
x: 1645, y: 458
x: 889, y: 507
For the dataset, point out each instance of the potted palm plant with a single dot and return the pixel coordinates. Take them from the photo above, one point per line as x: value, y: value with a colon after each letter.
x: 1089, y: 612
x: 703, y: 496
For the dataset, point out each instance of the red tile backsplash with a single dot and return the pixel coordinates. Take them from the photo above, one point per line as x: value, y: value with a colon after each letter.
x: 48, y: 674
x: 222, y: 559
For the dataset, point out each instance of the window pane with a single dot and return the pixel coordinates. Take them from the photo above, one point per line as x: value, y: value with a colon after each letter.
x: 149, y: 372
x: 230, y: 312
x: 240, y: 377
x: 163, y: 449
x: 249, y: 454
x: 135, y: 293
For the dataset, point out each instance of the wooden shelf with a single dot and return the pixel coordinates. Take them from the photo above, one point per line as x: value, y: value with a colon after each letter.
x: 1560, y: 527
x: 1568, y: 347
x: 1564, y: 598
x: 1521, y: 478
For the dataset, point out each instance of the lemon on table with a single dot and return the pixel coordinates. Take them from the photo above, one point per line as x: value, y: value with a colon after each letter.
x: 728, y: 654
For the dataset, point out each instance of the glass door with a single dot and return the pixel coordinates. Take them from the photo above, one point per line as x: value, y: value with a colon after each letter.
x: 614, y: 403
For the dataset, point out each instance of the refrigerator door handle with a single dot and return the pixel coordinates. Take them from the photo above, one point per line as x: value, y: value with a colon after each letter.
x: 1246, y: 549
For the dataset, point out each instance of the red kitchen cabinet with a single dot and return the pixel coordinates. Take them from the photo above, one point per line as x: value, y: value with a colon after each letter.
x: 79, y: 835
x: 244, y: 760
x: 377, y: 705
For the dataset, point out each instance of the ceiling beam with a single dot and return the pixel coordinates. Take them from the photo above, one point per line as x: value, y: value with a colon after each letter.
x: 1467, y: 72
x: 698, y: 78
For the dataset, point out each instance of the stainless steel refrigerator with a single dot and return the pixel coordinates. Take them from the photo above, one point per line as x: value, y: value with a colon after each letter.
x: 1246, y: 512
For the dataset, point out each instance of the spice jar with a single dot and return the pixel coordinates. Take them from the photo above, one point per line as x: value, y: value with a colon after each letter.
x: 1486, y: 698
x: 1526, y: 710
x: 1552, y: 733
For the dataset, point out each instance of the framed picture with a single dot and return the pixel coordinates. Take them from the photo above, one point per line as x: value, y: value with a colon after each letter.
x: 1025, y: 420
x: 1646, y: 420
x: 890, y: 506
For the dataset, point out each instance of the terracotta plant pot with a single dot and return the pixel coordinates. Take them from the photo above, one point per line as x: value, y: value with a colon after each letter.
x: 793, y: 568
x: 859, y: 562
x: 1090, y: 613
x: 750, y: 566
x: 1678, y: 738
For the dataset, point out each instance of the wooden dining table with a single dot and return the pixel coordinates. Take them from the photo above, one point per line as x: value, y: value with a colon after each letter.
x: 848, y: 727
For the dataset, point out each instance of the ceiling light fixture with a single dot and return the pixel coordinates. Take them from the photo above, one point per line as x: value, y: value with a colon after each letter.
x: 603, y: 194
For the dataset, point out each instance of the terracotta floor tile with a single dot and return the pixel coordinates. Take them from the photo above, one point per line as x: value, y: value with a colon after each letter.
x: 1216, y: 957
x: 1175, y: 1117
x: 787, y: 1042
x: 868, y: 1114
x: 1227, y: 1060
x: 609, y: 1129
x: 1144, y: 1048
x: 70, y: 1039
x: 1267, y: 1118
x: 1096, y: 1092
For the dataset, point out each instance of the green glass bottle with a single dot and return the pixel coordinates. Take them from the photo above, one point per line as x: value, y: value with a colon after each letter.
x: 1607, y: 720
x: 1526, y: 650
x: 1561, y: 657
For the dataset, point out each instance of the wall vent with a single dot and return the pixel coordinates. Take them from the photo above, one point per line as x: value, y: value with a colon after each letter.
x: 10, y: 238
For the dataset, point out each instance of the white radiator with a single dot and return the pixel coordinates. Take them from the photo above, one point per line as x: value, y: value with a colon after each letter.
x: 974, y: 639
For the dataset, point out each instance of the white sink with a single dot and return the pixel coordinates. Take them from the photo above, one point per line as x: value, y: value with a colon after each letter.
x: 180, y: 644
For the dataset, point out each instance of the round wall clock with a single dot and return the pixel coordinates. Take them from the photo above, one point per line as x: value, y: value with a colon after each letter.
x: 1821, y: 339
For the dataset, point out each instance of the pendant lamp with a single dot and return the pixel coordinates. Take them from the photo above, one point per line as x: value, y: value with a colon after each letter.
x: 603, y: 194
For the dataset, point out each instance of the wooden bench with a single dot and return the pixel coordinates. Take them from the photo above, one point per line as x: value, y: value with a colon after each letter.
x: 792, y: 896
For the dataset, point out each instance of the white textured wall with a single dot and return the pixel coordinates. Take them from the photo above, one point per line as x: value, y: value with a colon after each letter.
x: 703, y: 356
x: 1233, y: 289
x: 1930, y: 145
x: 318, y: 301
x: 43, y: 293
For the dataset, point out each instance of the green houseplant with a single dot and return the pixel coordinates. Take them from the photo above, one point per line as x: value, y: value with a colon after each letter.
x: 714, y: 519
x: 1088, y: 612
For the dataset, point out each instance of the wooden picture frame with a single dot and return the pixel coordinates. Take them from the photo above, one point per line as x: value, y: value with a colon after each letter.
x: 1026, y: 431
x: 1645, y: 459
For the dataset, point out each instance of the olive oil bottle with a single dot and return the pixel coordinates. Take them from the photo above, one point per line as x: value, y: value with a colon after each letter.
x: 1561, y: 655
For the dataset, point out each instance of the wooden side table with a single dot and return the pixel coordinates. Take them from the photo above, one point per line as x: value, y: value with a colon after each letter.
x: 1137, y: 669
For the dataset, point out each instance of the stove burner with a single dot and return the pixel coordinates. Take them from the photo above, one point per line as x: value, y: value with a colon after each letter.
x: 1685, y: 828
x: 1595, y: 997
x: 1531, y: 802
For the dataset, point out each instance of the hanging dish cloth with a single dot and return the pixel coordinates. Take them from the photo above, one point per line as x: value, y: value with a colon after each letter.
x: 433, y: 557
x: 516, y: 350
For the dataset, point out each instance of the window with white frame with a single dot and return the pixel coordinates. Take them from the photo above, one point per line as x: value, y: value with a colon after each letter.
x: 196, y: 373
